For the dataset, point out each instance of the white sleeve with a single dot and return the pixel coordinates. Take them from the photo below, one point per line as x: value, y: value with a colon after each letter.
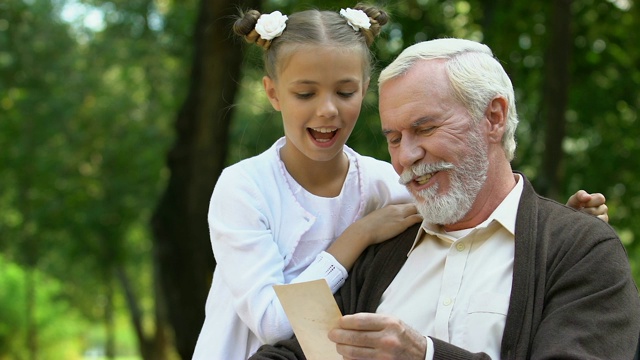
x: 249, y: 259
x: 324, y: 266
x: 247, y: 256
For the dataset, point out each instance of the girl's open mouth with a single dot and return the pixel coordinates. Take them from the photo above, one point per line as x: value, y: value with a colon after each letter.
x: 322, y: 134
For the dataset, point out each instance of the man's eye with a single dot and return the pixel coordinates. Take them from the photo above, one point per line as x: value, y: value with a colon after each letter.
x: 346, y: 94
x: 393, y: 140
x: 427, y: 130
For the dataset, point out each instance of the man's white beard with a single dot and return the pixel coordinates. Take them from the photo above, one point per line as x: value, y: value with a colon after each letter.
x: 466, y: 181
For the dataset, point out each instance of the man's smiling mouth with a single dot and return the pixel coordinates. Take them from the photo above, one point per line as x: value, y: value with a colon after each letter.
x: 421, y: 180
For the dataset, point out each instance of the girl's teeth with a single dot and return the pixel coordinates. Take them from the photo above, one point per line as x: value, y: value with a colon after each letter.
x: 322, y: 135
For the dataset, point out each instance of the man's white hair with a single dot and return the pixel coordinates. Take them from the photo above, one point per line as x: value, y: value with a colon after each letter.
x: 475, y: 75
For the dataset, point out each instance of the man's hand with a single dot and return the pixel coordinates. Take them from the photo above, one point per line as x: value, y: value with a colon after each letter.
x: 375, y: 336
x: 593, y: 204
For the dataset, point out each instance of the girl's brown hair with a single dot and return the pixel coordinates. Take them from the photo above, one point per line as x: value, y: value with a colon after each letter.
x: 314, y: 27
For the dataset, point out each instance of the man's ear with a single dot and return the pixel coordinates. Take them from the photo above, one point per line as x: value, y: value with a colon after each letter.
x: 272, y: 94
x: 496, y: 114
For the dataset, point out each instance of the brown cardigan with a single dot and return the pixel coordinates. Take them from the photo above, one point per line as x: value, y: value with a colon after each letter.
x: 573, y: 296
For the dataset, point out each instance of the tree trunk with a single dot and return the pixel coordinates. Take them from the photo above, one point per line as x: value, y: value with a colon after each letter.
x: 152, y: 346
x: 181, y: 236
x: 109, y: 318
x: 555, y: 97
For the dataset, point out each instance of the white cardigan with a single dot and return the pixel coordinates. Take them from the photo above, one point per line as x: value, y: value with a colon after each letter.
x: 256, y: 223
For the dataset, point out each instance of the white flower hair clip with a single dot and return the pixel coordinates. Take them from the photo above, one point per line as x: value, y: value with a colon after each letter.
x: 270, y: 26
x: 357, y: 19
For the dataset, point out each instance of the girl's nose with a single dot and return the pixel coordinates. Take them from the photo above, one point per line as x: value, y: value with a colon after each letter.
x: 327, y: 107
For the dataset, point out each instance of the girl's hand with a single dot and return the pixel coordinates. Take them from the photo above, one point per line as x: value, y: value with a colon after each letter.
x: 385, y: 223
x: 374, y: 228
x: 593, y: 204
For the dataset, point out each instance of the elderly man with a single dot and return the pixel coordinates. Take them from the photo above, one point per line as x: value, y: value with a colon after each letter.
x: 495, y: 270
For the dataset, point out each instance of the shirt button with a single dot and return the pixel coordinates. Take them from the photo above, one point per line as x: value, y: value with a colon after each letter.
x: 460, y: 246
x: 447, y: 302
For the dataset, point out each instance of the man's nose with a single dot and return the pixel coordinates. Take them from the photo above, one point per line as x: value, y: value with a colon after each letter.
x: 410, y: 151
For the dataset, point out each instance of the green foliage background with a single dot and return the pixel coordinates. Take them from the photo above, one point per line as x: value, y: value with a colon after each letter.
x: 86, y: 108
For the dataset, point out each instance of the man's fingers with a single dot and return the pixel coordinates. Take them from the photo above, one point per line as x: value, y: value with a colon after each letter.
x: 362, y: 322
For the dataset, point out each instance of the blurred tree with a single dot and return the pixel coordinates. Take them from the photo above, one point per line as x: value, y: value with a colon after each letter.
x: 58, y: 314
x: 601, y: 147
x: 198, y: 156
x: 555, y: 95
x: 25, y: 89
x: 84, y: 115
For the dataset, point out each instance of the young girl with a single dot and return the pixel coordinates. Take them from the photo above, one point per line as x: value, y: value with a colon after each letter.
x: 280, y: 217
x: 297, y: 211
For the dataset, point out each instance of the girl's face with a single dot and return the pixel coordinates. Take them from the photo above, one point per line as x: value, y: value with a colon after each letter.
x: 319, y: 91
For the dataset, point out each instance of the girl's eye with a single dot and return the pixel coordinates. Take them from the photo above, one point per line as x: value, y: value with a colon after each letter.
x: 304, y: 95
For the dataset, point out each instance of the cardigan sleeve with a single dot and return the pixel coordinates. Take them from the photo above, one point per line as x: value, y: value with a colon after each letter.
x: 575, y: 298
x: 592, y: 309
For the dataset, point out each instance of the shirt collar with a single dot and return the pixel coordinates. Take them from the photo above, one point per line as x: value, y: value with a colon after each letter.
x: 505, y: 214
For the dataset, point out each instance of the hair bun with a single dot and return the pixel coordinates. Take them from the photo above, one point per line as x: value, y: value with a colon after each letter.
x: 245, y: 26
x: 378, y: 18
